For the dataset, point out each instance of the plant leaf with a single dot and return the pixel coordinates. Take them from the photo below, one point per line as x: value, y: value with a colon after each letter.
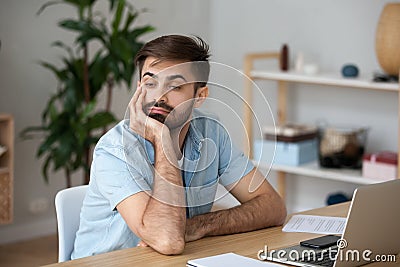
x: 50, y: 3
x: 129, y: 20
x: 50, y: 140
x: 27, y: 133
x: 81, y: 4
x: 52, y: 68
x: 63, y: 46
x: 100, y: 120
x: 86, y: 29
x: 45, y: 168
x: 134, y: 34
x: 112, y: 4
x: 87, y: 110
x: 74, y: 25
x: 118, y: 16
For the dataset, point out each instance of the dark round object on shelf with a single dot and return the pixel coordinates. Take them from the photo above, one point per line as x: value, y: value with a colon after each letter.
x: 336, y: 198
x: 350, y: 70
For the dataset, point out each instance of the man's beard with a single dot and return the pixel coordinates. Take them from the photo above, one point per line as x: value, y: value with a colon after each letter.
x: 176, y: 117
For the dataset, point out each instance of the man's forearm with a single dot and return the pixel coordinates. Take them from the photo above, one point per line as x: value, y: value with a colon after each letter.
x: 164, y: 219
x: 249, y: 216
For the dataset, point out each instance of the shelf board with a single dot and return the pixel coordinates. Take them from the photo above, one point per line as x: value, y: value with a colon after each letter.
x: 314, y: 170
x: 4, y: 170
x: 324, y: 79
x: 5, y: 117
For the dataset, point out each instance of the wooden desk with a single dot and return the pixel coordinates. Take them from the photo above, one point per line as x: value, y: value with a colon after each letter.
x: 246, y: 244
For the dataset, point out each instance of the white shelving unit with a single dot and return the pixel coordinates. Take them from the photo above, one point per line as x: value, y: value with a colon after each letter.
x: 324, y: 79
x: 282, y: 79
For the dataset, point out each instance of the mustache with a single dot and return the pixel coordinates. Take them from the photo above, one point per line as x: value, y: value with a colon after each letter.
x: 158, y: 104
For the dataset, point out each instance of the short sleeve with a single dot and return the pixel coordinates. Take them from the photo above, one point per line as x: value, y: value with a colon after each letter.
x: 115, y: 178
x: 233, y: 163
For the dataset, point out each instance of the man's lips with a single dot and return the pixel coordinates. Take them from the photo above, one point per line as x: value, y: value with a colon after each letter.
x: 156, y: 110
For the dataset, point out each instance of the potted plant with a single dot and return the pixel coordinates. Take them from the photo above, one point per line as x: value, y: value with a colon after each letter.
x: 72, y: 121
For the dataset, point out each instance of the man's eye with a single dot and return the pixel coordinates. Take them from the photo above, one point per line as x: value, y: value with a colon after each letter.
x: 174, y: 87
x: 150, y: 84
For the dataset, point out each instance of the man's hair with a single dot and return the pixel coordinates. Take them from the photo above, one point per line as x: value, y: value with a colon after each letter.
x: 178, y: 48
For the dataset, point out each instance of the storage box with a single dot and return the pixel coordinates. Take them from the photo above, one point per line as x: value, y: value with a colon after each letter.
x: 286, y: 153
x: 290, y: 132
x: 380, y: 166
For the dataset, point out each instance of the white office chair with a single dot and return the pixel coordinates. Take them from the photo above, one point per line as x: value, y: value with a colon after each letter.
x: 68, y: 207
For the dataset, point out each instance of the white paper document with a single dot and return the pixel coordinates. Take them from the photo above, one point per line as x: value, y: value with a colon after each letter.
x: 315, y: 224
x: 231, y: 260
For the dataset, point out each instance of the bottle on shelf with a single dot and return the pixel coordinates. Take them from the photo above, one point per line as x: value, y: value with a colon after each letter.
x: 284, y: 58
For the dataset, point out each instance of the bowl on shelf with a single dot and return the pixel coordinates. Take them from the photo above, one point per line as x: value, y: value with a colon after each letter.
x: 342, y: 147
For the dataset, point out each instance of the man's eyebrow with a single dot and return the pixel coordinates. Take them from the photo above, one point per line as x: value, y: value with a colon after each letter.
x: 176, y: 76
x: 169, y: 78
x: 150, y: 74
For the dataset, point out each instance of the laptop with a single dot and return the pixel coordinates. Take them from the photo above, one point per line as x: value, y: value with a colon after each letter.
x: 372, y: 233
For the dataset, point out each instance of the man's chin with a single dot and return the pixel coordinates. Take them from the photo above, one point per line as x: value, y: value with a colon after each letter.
x: 158, y: 117
x: 169, y: 121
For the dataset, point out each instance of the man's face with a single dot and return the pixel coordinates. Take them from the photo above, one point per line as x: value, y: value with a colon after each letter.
x: 169, y: 91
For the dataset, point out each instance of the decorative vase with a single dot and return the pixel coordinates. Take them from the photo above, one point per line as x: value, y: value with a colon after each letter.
x: 387, y: 43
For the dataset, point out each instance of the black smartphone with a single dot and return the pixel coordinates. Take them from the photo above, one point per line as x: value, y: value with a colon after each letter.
x: 321, y: 242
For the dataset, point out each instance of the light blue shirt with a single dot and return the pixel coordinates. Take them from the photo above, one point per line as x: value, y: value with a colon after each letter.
x: 123, y: 166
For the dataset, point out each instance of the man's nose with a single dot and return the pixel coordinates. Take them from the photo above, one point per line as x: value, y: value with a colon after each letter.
x: 159, y: 94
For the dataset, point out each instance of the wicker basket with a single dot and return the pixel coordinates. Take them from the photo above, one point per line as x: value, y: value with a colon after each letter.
x: 342, y: 147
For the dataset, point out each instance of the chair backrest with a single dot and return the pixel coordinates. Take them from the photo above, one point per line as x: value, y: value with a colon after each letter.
x: 68, y: 207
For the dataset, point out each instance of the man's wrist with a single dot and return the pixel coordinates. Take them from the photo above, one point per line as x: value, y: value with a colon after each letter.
x: 160, y: 136
x: 195, y: 228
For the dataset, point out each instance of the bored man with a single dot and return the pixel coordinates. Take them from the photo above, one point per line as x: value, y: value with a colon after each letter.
x: 154, y: 176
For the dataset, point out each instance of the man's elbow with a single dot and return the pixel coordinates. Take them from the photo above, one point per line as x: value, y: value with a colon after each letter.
x: 282, y: 216
x: 281, y: 212
x: 168, y: 246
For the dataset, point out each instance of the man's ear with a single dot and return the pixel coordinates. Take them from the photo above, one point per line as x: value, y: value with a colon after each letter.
x: 201, y: 95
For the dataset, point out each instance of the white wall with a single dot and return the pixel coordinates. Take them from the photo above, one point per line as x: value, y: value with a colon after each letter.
x: 25, y: 88
x: 329, y: 32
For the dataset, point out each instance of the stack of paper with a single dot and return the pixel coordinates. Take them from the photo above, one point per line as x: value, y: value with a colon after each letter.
x: 315, y: 224
x: 231, y: 260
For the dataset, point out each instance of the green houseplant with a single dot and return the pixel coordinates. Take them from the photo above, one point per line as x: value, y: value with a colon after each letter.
x: 72, y: 121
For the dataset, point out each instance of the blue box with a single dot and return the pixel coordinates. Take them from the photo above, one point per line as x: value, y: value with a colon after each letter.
x: 292, y: 154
